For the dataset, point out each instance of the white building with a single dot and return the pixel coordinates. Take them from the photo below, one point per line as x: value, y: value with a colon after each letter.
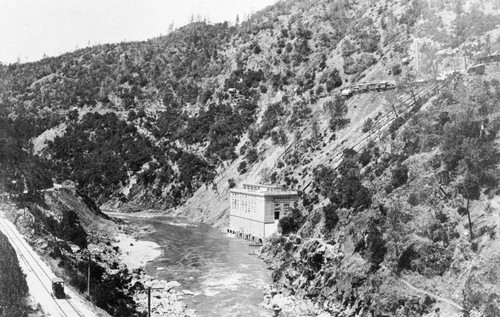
x: 256, y: 209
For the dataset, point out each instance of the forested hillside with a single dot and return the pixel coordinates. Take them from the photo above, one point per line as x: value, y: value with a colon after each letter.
x: 152, y: 121
x: 13, y: 299
x: 398, y: 182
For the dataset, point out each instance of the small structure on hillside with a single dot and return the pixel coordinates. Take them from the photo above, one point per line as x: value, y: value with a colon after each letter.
x: 256, y: 209
x: 477, y: 69
x: 346, y: 93
x: 492, y: 58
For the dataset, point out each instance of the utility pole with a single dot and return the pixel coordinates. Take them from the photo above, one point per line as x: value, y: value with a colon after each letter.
x: 88, y: 277
x: 394, y: 109
x: 416, y: 56
x: 149, y: 299
x: 470, y: 222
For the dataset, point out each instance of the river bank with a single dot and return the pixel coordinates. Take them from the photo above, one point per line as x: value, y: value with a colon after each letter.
x: 135, y: 253
x: 216, y: 275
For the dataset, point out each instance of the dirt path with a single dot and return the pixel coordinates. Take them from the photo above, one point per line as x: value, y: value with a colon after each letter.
x: 38, y: 278
x: 439, y: 298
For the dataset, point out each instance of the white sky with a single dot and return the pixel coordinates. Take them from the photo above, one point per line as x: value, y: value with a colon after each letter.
x: 31, y: 28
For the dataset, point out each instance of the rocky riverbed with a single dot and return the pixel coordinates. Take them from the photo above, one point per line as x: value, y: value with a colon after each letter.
x: 166, y: 297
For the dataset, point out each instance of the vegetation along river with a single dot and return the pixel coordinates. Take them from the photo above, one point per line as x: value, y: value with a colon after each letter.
x: 217, y: 268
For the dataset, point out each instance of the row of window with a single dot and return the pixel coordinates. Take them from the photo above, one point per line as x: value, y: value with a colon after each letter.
x: 286, y: 207
x: 246, y: 206
x: 282, y: 198
x: 250, y: 205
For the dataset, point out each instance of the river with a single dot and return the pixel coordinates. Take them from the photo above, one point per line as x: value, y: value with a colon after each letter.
x: 216, y: 267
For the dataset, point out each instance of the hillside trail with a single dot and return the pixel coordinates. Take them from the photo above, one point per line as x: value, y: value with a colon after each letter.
x: 436, y: 297
x: 423, y: 291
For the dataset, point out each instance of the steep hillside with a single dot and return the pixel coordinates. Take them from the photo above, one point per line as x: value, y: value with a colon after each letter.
x: 63, y: 224
x: 409, y: 224
x: 149, y: 123
x: 14, y: 300
x: 398, y: 181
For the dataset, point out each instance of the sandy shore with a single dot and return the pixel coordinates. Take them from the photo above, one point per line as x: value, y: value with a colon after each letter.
x: 136, y: 253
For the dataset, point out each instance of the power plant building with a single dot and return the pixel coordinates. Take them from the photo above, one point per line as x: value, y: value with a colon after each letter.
x: 256, y: 209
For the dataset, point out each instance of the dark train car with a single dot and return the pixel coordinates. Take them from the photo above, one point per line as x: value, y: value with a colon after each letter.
x: 372, y: 86
x: 363, y: 87
x: 58, y: 287
x: 477, y: 69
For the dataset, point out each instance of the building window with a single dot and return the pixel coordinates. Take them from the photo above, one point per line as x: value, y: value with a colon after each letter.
x: 286, y: 208
x: 277, y: 209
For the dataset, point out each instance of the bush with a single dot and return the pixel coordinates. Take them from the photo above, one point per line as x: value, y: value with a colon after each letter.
x: 358, y: 65
x: 279, y: 137
x: 399, y: 175
x: 331, y: 217
x: 396, y: 124
x: 13, y: 287
x: 365, y: 157
x: 252, y: 156
x: 376, y: 248
x: 396, y: 70
x: 292, y: 222
x: 242, y: 168
x: 347, y: 48
x: 231, y: 183
x: 276, y: 239
x: 257, y: 49
x: 413, y: 200
x: 367, y: 125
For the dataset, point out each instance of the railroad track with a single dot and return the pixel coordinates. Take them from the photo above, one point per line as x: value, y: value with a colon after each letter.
x: 64, y: 307
x: 381, y: 125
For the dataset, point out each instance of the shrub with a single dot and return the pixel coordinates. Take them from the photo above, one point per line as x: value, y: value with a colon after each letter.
x: 347, y: 48
x: 359, y: 64
x: 396, y: 124
x: 231, y: 183
x: 331, y: 217
x: 396, y: 70
x: 257, y: 49
x: 324, y: 178
x: 252, y: 156
x: 365, y: 157
x: 276, y: 239
x: 413, y: 200
x: 279, y: 137
x: 367, y: 125
x: 376, y: 248
x: 399, y: 175
x: 13, y: 287
x: 242, y: 168
x: 292, y: 222
x: 335, y: 78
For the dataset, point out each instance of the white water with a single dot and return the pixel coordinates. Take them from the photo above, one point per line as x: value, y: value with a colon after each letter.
x: 216, y: 267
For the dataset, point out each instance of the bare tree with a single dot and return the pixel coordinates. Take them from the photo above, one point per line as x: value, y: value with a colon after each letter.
x: 406, y: 84
x: 391, y: 98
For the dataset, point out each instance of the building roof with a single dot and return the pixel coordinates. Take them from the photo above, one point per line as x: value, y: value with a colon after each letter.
x: 57, y: 280
x: 263, y: 190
